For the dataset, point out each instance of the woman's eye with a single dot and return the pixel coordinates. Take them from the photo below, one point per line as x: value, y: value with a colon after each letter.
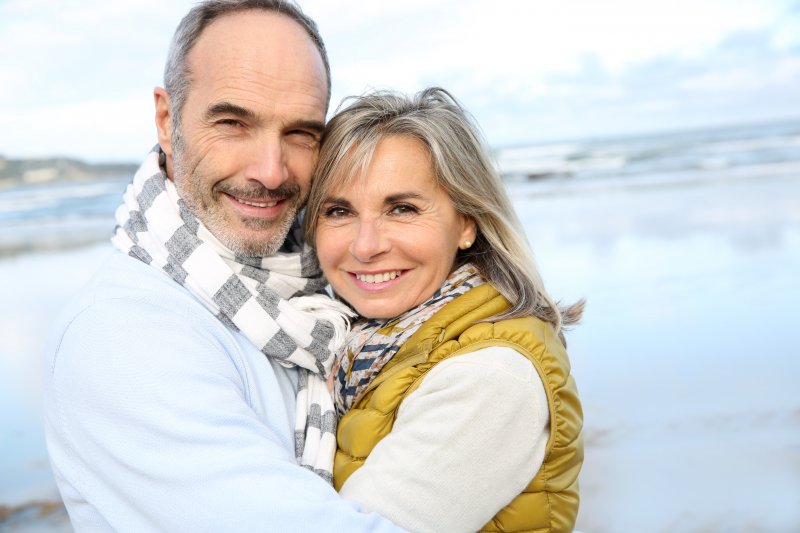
x: 404, y: 209
x: 335, y: 212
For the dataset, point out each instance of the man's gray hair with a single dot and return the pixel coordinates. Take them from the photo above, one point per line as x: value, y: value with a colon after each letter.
x: 462, y: 167
x: 177, y: 75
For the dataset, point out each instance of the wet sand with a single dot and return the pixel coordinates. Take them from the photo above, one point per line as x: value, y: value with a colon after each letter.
x: 687, y: 360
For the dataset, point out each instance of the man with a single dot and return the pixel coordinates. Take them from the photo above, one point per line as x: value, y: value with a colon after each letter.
x: 185, y: 385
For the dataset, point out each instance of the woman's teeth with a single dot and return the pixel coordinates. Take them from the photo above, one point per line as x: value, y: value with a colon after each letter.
x: 377, y: 278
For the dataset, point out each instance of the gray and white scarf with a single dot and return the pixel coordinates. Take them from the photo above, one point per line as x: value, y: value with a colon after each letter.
x: 277, y: 302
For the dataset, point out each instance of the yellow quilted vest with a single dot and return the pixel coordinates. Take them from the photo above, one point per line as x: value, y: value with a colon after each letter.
x: 550, y: 501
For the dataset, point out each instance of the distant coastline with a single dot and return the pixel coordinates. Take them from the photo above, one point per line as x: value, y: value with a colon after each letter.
x: 37, y: 515
x: 15, y: 172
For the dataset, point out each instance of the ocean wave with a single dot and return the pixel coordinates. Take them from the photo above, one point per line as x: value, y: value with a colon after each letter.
x: 647, y: 155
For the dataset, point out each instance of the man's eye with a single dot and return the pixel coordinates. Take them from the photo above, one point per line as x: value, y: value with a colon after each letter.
x: 304, y: 137
x: 229, y: 122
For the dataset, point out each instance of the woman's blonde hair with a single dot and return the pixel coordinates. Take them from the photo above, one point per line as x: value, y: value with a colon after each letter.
x: 463, y: 169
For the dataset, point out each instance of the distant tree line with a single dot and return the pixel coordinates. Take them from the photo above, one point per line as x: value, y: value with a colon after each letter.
x: 17, y: 171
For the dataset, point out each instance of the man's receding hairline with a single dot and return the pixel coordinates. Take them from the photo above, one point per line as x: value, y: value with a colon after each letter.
x: 188, y: 72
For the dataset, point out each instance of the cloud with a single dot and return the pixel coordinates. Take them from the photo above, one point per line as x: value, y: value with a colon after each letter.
x: 78, y: 81
x: 80, y: 52
x: 539, y: 70
x: 533, y: 40
x: 744, y: 78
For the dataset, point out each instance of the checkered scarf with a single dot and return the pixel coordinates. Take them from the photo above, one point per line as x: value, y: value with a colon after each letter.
x: 372, y: 343
x: 275, y: 301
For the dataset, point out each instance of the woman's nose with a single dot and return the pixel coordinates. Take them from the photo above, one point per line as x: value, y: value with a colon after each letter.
x: 370, y: 241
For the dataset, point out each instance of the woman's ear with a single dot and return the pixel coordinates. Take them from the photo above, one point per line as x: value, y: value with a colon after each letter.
x: 468, y: 233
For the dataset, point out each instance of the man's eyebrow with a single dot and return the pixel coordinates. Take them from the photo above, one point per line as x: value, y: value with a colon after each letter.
x: 229, y: 109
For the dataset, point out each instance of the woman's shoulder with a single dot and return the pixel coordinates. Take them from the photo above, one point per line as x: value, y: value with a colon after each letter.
x: 527, y: 334
x: 496, y: 358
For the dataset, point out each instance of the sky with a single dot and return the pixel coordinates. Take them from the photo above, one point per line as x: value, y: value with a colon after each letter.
x: 76, y: 78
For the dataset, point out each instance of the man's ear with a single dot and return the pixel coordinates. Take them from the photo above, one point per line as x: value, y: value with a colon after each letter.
x: 164, y: 124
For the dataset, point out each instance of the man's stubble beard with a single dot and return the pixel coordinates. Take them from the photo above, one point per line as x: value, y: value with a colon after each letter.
x: 208, y: 209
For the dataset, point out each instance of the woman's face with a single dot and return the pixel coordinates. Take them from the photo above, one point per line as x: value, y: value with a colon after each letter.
x: 389, y: 239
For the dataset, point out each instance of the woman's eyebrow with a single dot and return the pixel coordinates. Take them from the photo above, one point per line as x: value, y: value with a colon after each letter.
x: 400, y: 196
x: 337, y: 200
x: 392, y: 198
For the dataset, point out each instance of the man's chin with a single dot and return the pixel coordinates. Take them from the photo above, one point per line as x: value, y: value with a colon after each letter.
x: 257, y: 242
x: 250, y: 246
x: 250, y: 236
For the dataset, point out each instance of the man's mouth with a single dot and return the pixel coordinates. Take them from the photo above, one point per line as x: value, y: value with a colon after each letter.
x: 257, y: 204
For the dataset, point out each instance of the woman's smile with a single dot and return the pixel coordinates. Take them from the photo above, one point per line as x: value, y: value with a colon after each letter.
x: 379, y: 278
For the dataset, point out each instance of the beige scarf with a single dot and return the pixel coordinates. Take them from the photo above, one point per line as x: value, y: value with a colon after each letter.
x: 372, y: 343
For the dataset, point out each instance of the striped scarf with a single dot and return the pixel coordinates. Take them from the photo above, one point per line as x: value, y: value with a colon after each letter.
x: 276, y: 302
x: 372, y: 343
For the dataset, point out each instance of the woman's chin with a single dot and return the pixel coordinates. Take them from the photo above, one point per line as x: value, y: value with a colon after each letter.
x: 378, y: 310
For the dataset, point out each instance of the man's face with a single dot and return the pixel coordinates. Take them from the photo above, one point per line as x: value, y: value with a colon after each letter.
x: 249, y: 136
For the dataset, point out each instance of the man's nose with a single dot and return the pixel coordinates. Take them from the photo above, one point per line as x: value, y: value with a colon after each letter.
x: 370, y: 241
x: 268, y: 164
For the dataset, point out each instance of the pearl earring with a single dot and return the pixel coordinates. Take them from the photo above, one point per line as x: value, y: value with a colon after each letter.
x: 467, y: 244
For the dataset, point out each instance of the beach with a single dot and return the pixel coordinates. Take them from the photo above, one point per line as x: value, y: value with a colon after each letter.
x: 687, y: 360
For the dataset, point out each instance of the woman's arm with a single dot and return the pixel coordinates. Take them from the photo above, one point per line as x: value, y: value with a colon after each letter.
x: 464, y: 444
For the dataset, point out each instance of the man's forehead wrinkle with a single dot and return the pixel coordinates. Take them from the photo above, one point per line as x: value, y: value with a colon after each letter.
x: 232, y: 75
x: 264, y: 91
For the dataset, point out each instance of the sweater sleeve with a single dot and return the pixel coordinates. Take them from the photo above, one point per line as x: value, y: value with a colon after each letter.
x: 150, y: 429
x: 464, y: 444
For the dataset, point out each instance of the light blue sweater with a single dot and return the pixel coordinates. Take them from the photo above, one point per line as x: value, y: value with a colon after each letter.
x: 160, y: 418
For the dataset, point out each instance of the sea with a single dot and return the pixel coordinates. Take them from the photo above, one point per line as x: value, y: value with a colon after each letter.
x: 686, y: 247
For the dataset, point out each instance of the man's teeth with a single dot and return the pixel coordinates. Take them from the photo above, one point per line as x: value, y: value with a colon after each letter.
x: 377, y: 278
x: 258, y: 204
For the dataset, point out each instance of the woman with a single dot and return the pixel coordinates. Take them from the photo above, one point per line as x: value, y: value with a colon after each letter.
x: 458, y: 410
